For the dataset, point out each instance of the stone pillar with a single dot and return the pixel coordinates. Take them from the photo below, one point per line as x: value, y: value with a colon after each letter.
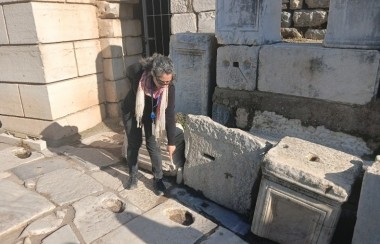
x: 353, y: 24
x: 194, y: 56
x: 302, y: 190
x: 248, y: 22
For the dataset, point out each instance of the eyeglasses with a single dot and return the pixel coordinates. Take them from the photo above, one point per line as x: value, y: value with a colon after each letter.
x: 163, y: 82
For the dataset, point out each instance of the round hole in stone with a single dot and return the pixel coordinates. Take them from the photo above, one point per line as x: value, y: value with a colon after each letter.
x: 23, y: 153
x: 285, y: 146
x: 181, y: 216
x: 115, y: 205
x: 313, y: 158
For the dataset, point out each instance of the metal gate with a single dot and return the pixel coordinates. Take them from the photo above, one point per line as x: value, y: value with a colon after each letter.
x: 156, y: 25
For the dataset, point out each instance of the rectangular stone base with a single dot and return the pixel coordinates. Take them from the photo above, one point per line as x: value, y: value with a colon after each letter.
x: 287, y: 216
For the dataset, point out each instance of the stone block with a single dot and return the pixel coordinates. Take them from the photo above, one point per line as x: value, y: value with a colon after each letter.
x: 317, y: 3
x: 193, y: 58
x: 181, y: 23
x: 112, y: 47
x: 203, y: 5
x: 53, y: 101
x: 286, y: 19
x: 181, y: 6
x: 109, y: 28
x: 34, y: 144
x: 36, y: 22
x: 3, y: 29
x: 206, y: 22
x: 248, y: 22
x: 52, y: 131
x: 88, y: 56
x: 309, y: 18
x: 236, y: 67
x: 366, y: 227
x: 290, y: 33
x: 315, y: 34
x: 10, y: 101
x: 116, y: 91
x: 343, y: 29
x: 131, y: 27
x: 303, y: 188
x: 129, y: 60
x: 109, y: 10
x: 114, y: 110
x: 133, y: 45
x: 221, y: 162
x: 113, y: 68
x: 296, y: 4
x: 340, y: 75
x: 221, y: 114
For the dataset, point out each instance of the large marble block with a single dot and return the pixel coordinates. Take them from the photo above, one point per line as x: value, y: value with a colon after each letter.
x: 41, y: 22
x: 367, y: 222
x: 310, y: 70
x: 303, y: 187
x: 3, y: 29
x: 88, y: 57
x: 10, y: 101
x: 60, y: 99
x: 236, y: 67
x: 353, y: 24
x: 249, y: 22
x: 193, y: 58
x: 221, y: 162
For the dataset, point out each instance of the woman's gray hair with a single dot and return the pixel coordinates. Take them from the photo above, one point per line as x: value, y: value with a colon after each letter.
x: 158, y: 64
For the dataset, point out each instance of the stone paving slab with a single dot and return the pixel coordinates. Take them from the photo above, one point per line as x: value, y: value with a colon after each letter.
x: 10, y: 160
x: 63, y: 235
x: 159, y: 226
x: 67, y: 185
x: 97, y: 216
x: 222, y: 235
x: 111, y: 177
x: 19, y: 206
x: 40, y: 167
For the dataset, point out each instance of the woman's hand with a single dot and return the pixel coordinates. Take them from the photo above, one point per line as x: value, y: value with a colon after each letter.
x: 171, y: 149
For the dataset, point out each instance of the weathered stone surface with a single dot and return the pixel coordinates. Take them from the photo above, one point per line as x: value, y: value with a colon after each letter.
x: 110, y: 10
x: 236, y: 67
x: 181, y: 23
x: 309, y: 18
x: 10, y: 101
x: 50, y: 22
x: 88, y: 57
x: 274, y: 127
x: 112, y: 47
x: 113, y: 177
x: 52, y: 103
x: 161, y: 226
x: 33, y: 144
x: 311, y: 166
x: 114, y: 68
x: 15, y: 156
x: 40, y: 167
x: 95, y: 216
x: 116, y: 91
x: 296, y: 4
x: 226, y: 178
x: 344, y: 30
x: 248, y: 22
x: 133, y: 45
x: 52, y: 131
x: 206, y: 22
x: 287, y: 215
x: 222, y: 235
x: 45, y: 225
x: 3, y: 29
x: 193, y: 58
x: 286, y: 19
x: 340, y: 75
x: 318, y: 3
x: 63, y: 235
x: 315, y: 34
x: 366, y: 230
x: 67, y: 185
x: 203, y: 5
x: 181, y: 6
x: 291, y: 33
x: 19, y: 206
x: 221, y: 114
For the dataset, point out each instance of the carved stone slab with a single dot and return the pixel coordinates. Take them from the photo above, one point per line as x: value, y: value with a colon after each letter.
x: 249, y: 22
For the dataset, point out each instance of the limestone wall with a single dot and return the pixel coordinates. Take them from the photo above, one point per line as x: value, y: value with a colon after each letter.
x: 62, y: 64
x: 299, y: 18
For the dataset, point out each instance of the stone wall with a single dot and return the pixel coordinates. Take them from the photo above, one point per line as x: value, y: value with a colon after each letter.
x: 299, y: 18
x: 62, y: 64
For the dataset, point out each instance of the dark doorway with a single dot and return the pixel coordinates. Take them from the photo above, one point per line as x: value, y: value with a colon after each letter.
x: 156, y: 26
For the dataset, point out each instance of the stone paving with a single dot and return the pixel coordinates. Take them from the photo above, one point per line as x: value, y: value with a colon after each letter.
x: 75, y: 194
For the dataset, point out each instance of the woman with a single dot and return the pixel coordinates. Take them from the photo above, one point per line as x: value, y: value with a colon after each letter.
x: 150, y: 105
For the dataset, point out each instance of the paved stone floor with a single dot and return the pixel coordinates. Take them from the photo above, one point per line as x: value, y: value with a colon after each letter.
x: 75, y: 194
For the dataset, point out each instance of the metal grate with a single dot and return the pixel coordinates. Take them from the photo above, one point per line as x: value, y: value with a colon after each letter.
x: 156, y: 24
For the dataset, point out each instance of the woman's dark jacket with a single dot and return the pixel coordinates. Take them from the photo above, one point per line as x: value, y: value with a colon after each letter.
x: 134, y: 73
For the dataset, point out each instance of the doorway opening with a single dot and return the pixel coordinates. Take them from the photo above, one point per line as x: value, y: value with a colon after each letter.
x: 156, y: 26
